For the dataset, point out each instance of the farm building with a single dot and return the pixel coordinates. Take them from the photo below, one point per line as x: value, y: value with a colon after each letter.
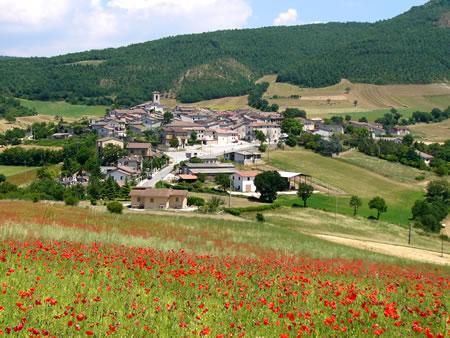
x: 208, y: 169
x: 150, y: 198
x: 243, y: 157
x: 294, y: 179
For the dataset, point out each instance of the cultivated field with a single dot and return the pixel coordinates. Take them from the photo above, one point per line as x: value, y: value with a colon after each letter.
x: 64, y: 109
x: 433, y: 132
x: 353, y: 180
x: 8, y: 170
x: 373, y: 100
x: 73, y: 271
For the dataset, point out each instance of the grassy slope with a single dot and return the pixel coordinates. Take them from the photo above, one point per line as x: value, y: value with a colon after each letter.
x: 352, y: 179
x: 197, y: 234
x: 433, y: 132
x: 315, y: 221
x: 392, y: 170
x: 19, y: 175
x: 14, y: 170
x: 64, y: 109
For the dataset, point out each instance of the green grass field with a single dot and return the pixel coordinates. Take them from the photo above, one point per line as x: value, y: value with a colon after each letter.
x: 311, y: 220
x: 391, y: 170
x: 18, y: 175
x: 353, y: 180
x: 64, y: 109
x: 14, y: 170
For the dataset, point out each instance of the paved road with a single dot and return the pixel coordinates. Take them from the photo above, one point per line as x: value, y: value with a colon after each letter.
x: 179, y: 156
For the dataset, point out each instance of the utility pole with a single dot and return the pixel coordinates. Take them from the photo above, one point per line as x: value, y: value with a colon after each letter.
x: 409, y: 235
x: 229, y: 195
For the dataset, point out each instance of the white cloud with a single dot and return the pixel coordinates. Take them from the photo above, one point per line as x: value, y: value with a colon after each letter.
x: 59, y: 26
x: 286, y: 18
x: 35, y: 15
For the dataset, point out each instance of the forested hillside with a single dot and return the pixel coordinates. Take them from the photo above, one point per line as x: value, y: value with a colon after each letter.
x: 411, y: 48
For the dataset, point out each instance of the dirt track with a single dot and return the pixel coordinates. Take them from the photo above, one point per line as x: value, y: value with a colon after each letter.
x: 392, y: 250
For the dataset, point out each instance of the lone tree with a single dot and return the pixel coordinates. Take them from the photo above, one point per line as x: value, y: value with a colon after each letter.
x: 305, y: 191
x: 379, y: 204
x: 223, y: 181
x: 174, y: 143
x: 268, y: 184
x: 2, y: 178
x: 355, y: 203
x: 167, y: 117
x: 260, y: 136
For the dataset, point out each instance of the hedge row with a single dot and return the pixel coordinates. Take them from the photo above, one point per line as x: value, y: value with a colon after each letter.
x: 239, y: 211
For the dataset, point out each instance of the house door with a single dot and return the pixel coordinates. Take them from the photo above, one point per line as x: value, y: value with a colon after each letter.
x: 248, y: 188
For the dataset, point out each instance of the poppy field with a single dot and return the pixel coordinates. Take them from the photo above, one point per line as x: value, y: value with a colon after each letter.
x: 83, y: 287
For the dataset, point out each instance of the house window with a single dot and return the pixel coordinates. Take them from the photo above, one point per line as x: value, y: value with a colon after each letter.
x: 176, y: 199
x: 151, y: 200
x: 248, y: 179
x: 239, y: 178
x: 139, y: 200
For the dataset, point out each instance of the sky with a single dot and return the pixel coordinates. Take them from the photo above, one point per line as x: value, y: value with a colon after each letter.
x: 53, y: 27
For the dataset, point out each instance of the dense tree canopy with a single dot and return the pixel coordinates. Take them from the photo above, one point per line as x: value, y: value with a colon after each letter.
x: 411, y: 48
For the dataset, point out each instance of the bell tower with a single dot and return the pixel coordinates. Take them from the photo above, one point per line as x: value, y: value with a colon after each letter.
x: 157, y: 97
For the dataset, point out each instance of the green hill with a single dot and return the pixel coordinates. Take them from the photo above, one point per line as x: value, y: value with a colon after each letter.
x: 410, y: 48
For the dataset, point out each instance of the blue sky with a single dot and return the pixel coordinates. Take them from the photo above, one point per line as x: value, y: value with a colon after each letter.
x: 51, y: 27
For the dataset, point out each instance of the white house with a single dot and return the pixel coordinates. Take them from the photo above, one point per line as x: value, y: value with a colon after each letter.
x: 244, y: 181
x: 226, y: 136
x: 120, y: 174
x: 272, y: 131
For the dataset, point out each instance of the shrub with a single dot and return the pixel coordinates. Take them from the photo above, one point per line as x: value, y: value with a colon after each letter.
x: 115, y: 207
x: 260, y: 217
x: 197, y: 201
x: 93, y: 201
x: 233, y: 211
x: 420, y: 177
x: 71, y: 200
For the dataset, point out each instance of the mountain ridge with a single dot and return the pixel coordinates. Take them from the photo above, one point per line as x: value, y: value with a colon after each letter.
x: 409, y: 48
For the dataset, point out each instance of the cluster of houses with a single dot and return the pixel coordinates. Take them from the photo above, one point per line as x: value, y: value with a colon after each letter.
x: 119, y: 123
x: 129, y: 167
x: 317, y: 126
x: 212, y: 127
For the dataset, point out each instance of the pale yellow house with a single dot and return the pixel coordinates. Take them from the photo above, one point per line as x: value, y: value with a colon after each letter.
x: 150, y: 198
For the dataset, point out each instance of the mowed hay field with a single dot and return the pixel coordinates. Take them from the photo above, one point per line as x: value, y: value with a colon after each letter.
x: 371, y: 98
x: 353, y: 180
x: 25, y: 122
x: 433, y: 132
x: 64, y: 109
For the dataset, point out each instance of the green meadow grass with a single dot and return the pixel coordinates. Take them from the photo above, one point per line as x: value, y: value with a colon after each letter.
x: 353, y: 180
x: 9, y: 170
x: 392, y: 170
x: 198, y: 234
x: 64, y: 109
